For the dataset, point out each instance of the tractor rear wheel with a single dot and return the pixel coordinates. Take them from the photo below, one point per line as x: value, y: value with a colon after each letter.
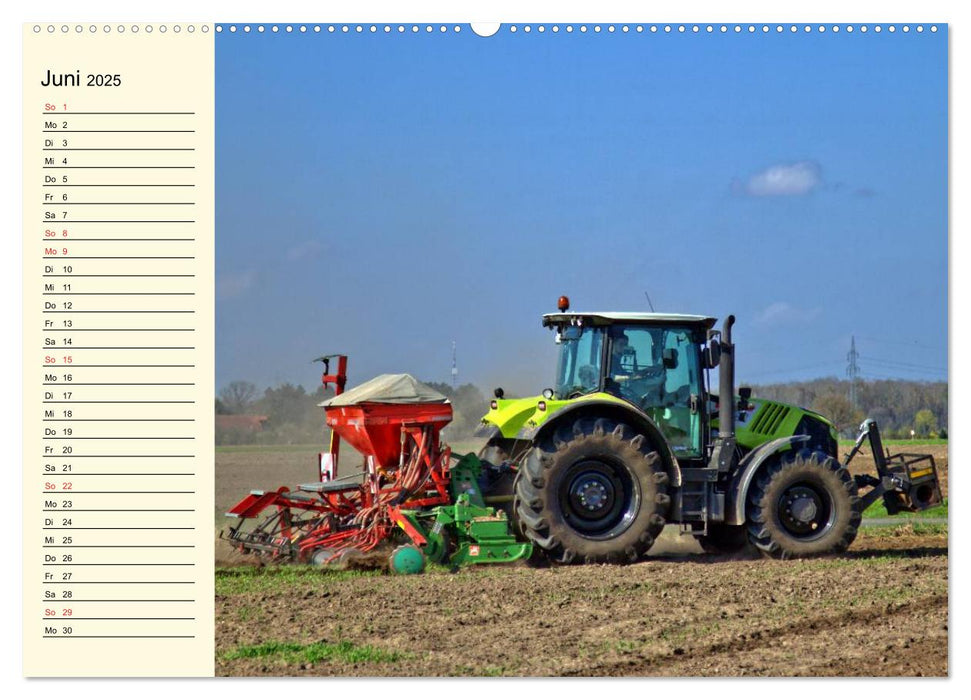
x: 593, y: 492
x: 804, y: 504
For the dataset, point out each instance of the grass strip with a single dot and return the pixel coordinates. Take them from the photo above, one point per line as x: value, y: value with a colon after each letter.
x: 292, y: 652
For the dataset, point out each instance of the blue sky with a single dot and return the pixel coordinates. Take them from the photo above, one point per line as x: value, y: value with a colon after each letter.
x: 383, y: 195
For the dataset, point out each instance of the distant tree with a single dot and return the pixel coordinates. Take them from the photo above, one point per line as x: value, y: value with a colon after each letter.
x: 237, y: 396
x: 884, y: 418
x: 285, y: 404
x: 925, y: 422
x: 220, y: 408
x: 468, y: 406
x: 838, y: 409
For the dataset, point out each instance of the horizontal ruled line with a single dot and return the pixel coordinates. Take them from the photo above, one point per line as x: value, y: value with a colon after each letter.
x: 74, y: 617
x: 75, y: 240
x: 121, y: 221
x: 126, y: 564
x: 88, y: 492
x: 129, y: 330
x: 117, y: 438
x: 116, y: 600
x: 127, y: 347
x: 112, y: 204
x: 49, y: 474
x: 125, y: 401
x: 54, y: 113
x: 117, y: 528
x: 115, y: 510
x: 125, y: 583
x: 127, y: 184
x: 116, y: 311
x: 119, y: 167
x: 120, y: 636
x: 119, y: 420
x: 119, y: 546
x: 139, y: 275
x: 117, y: 131
x: 67, y: 148
x: 74, y: 456
x: 119, y: 384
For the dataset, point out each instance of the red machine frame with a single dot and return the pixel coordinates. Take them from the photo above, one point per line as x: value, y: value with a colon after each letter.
x: 406, y: 465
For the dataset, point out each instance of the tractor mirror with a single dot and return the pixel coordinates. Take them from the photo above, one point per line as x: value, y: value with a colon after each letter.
x: 670, y: 358
x: 713, y: 354
x: 745, y: 393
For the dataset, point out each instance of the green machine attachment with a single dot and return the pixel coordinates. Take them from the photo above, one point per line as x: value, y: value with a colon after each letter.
x: 464, y: 532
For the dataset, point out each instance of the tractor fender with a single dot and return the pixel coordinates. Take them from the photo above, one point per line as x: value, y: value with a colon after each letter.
x: 748, y: 468
x: 621, y: 412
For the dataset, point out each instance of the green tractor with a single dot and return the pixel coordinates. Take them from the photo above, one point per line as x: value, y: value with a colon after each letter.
x: 632, y: 437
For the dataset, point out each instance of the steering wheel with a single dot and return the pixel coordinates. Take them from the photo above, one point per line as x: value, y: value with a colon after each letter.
x: 649, y: 372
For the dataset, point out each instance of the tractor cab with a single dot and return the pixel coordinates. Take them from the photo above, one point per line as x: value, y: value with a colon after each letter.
x: 653, y: 361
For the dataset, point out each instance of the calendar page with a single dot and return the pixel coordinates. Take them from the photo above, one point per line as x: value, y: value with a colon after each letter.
x: 518, y: 349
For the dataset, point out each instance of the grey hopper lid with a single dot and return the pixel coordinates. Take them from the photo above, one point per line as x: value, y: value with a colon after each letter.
x: 387, y: 388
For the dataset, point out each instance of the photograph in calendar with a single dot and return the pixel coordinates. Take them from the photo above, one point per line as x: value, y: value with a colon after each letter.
x: 581, y: 350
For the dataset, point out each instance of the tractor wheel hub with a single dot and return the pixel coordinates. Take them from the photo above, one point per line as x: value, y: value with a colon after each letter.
x: 592, y: 495
x: 803, y: 509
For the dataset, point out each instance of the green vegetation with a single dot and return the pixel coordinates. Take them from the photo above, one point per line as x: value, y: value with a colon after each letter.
x: 248, y: 579
x: 291, y: 652
x: 878, y: 510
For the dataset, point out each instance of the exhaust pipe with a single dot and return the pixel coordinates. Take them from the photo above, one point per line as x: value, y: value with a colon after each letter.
x: 726, y: 382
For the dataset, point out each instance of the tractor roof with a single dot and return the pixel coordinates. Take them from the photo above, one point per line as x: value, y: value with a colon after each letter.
x: 610, y: 317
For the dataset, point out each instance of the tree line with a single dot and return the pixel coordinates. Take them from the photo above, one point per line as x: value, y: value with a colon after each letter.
x: 293, y: 416
x: 898, y: 406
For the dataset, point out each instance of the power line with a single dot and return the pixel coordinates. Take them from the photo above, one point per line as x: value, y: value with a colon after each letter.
x: 907, y: 344
x: 879, y: 361
x: 802, y: 368
x: 892, y: 373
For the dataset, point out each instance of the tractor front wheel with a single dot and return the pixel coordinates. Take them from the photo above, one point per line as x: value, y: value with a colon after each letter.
x: 593, y: 492
x: 804, y: 504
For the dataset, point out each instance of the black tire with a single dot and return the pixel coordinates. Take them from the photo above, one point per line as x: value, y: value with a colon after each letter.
x: 724, y: 539
x: 593, y: 492
x: 804, y: 504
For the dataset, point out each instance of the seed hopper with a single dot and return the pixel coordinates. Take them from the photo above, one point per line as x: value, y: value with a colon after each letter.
x: 411, y: 494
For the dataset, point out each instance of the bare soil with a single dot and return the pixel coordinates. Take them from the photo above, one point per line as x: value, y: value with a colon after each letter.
x: 879, y: 610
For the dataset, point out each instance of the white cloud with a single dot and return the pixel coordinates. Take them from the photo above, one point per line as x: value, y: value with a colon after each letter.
x: 784, y: 180
x: 308, y: 249
x: 781, y: 312
x: 234, y: 284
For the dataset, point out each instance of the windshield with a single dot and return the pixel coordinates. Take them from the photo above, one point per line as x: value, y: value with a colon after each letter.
x: 578, y: 368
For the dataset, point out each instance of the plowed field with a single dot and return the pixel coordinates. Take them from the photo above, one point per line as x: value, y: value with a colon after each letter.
x: 879, y: 610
